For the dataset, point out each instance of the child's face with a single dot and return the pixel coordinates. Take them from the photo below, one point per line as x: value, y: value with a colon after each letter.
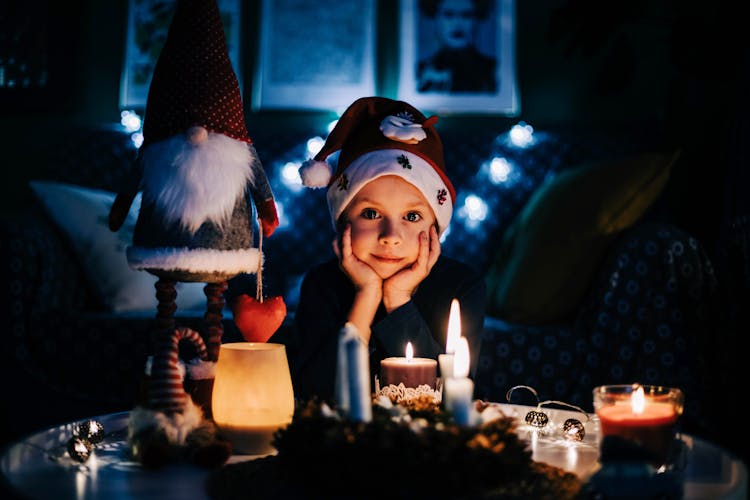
x: 387, y: 215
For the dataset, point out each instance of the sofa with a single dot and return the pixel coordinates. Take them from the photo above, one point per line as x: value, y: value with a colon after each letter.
x: 588, y: 280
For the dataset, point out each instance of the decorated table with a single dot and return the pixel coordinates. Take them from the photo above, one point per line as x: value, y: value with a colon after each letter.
x: 40, y: 467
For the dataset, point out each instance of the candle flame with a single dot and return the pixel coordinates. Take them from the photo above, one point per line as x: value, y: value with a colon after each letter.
x: 638, y: 400
x: 409, y: 351
x: 461, y: 362
x: 454, y: 327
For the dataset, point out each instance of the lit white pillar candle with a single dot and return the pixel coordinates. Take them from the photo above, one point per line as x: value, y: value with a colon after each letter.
x: 459, y: 389
x: 454, y: 333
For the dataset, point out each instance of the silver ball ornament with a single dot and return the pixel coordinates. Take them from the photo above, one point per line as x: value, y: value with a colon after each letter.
x: 573, y: 430
x: 79, y: 449
x: 537, y: 418
x: 91, y: 430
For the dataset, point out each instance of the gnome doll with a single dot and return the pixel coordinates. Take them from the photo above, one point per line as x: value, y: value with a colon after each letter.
x: 199, y: 175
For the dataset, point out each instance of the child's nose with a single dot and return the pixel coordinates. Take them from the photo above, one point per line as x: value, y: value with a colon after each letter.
x: 389, y: 232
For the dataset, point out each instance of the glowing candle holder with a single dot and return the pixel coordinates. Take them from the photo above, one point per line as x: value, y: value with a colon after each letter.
x: 252, y: 395
x: 644, y: 415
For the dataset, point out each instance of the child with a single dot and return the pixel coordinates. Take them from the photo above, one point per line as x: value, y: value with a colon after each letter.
x: 390, y: 200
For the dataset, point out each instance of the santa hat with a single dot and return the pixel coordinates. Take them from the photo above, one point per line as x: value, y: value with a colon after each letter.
x: 168, y: 407
x: 377, y: 136
x: 193, y: 81
x: 166, y: 392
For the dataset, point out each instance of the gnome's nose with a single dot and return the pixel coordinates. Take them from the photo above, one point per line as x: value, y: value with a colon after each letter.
x: 196, y: 135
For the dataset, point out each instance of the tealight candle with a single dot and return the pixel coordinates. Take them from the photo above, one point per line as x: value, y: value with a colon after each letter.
x: 410, y: 371
x: 454, y: 333
x: 646, y: 416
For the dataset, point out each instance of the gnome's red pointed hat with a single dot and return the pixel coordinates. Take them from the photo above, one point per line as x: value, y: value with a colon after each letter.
x: 194, y: 82
x: 377, y: 136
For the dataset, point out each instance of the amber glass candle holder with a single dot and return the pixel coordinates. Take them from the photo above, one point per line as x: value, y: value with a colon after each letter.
x: 252, y: 395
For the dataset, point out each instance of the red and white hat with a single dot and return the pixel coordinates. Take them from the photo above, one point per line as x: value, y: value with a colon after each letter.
x: 168, y: 408
x: 166, y: 392
x: 194, y: 82
x: 379, y: 136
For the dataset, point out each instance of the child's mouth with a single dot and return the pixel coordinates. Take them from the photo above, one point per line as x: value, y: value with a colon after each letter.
x: 387, y: 260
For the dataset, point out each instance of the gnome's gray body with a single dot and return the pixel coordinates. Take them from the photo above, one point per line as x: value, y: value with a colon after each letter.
x: 152, y: 235
x: 215, y: 252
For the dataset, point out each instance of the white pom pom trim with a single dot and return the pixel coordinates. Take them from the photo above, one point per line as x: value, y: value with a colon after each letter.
x: 315, y: 174
x: 201, y: 370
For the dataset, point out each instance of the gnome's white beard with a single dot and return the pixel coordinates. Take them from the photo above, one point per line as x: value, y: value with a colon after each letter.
x: 193, y: 184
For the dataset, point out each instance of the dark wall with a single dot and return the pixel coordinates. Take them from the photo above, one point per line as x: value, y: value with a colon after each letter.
x: 580, y: 64
x: 86, y: 49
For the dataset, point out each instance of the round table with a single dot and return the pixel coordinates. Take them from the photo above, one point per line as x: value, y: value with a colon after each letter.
x: 39, y: 467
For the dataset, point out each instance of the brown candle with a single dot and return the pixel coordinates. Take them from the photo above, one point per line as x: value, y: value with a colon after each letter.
x: 412, y: 372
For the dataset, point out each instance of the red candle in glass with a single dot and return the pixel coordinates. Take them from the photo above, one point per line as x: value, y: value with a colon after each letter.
x: 649, y: 421
x: 410, y: 371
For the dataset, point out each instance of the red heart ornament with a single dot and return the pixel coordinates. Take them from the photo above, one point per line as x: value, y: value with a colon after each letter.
x: 257, y: 321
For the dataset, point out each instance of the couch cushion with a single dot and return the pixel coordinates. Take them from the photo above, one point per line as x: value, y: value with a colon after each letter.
x: 81, y: 214
x: 549, y: 253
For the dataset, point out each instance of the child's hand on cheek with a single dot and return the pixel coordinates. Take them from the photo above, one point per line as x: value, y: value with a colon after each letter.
x: 367, y: 284
x: 398, y: 289
x: 362, y: 275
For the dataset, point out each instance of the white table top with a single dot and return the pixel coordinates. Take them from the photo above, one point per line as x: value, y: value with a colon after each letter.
x: 39, y: 467
x: 710, y: 472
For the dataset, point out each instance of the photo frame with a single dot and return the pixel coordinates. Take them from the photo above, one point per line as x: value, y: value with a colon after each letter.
x: 315, y: 55
x: 437, y: 72
x: 148, y: 24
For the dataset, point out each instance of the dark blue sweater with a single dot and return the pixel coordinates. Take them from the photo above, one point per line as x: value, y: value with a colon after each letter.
x: 326, y: 297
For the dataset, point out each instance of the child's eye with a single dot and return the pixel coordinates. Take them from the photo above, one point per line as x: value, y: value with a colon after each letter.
x: 369, y: 213
x: 413, y: 217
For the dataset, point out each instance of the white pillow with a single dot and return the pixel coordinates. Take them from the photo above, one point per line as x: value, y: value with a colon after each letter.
x: 82, y: 214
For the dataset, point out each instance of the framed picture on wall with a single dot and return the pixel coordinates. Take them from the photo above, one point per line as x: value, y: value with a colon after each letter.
x: 315, y: 55
x: 148, y: 24
x: 458, y: 56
